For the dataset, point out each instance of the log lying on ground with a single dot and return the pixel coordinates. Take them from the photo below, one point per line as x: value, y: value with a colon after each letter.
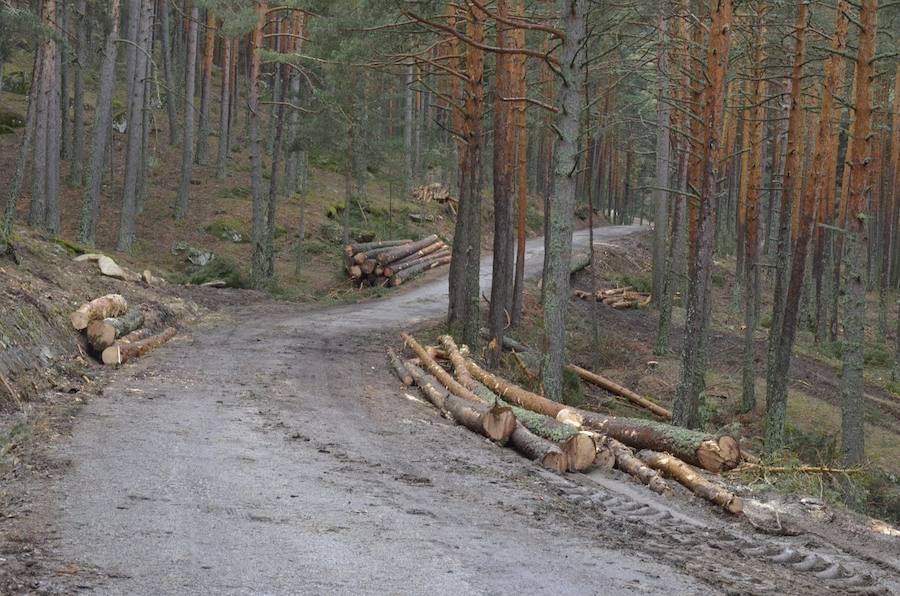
x: 399, y: 368
x: 631, y: 465
x: 433, y: 368
x: 700, y: 449
x: 121, y: 353
x: 612, y: 387
x: 134, y: 336
x: 619, y: 298
x: 700, y: 486
x: 432, y: 248
x: 352, y: 249
x: 103, y: 333
x: 579, y: 262
x: 397, y: 267
x: 415, y: 270
x: 390, y: 255
x: 543, y: 433
x: 112, y: 305
x: 598, y: 380
x: 494, y: 422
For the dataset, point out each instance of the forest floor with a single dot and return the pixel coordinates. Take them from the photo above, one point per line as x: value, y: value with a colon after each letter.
x: 268, y: 446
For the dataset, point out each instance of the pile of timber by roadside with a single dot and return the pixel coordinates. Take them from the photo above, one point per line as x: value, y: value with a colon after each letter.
x: 392, y: 262
x: 115, y: 333
x: 619, y: 298
x: 564, y: 438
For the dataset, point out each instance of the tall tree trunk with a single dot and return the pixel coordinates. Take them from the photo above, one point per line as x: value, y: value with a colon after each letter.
x: 62, y: 70
x: 187, y: 142
x: 25, y: 148
x: 852, y: 383
x: 209, y: 47
x: 42, y: 90
x: 408, y: 125
x: 76, y: 165
x: 90, y: 206
x: 663, y: 158
x: 558, y: 244
x: 259, y: 265
x: 134, y: 161
x: 463, y: 316
x: 691, y: 379
x: 504, y: 154
x: 781, y: 337
x: 755, y: 140
x: 273, y: 181
x: 56, y: 116
x: 521, y: 89
x: 224, y: 108
x: 168, y: 72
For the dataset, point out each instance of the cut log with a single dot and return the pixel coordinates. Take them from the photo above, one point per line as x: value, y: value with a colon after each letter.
x: 355, y: 272
x: 110, y: 268
x: 604, y: 383
x: 458, y: 362
x: 134, y: 336
x: 121, y: 353
x: 368, y: 266
x: 709, y: 452
x: 494, y: 422
x: 578, y: 263
x: 631, y: 465
x: 399, y: 266
x: 536, y: 448
x: 111, y: 305
x: 399, y: 368
x: 700, y: 486
x: 407, y: 274
x: 352, y: 249
x: 390, y: 255
x: 431, y: 249
x: 103, y: 333
x: 433, y: 368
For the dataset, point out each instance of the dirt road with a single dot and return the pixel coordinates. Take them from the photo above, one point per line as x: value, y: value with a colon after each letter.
x: 271, y: 453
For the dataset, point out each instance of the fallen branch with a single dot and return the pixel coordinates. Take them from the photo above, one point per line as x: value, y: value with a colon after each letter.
x: 604, y: 383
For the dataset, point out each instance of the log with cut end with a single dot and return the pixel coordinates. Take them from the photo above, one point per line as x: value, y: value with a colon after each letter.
x: 103, y: 333
x: 389, y: 255
x: 368, y: 266
x: 700, y: 486
x: 709, y: 452
x: 407, y: 274
x: 121, y: 353
x: 355, y: 272
x: 612, y: 387
x: 631, y: 465
x: 112, y: 305
x: 399, y: 368
x: 352, y: 249
x: 399, y: 266
x: 494, y: 422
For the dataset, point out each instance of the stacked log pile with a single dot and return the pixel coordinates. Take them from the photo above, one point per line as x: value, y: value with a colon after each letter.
x: 114, y: 333
x: 563, y: 438
x: 619, y: 298
x: 392, y: 262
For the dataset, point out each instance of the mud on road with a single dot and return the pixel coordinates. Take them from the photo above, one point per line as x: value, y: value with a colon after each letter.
x: 271, y: 452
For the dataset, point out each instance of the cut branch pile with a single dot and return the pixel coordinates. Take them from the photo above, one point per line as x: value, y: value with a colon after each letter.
x: 392, y: 262
x: 619, y: 298
x: 115, y: 333
x: 563, y: 438
x: 436, y: 192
